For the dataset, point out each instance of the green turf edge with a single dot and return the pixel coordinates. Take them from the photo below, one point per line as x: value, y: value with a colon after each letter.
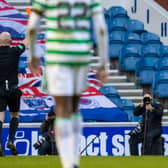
x: 86, y: 162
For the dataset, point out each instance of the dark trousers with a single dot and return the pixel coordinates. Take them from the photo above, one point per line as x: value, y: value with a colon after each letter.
x: 48, y: 148
x: 147, y: 144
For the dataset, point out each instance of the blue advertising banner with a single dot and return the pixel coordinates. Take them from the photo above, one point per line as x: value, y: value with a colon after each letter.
x: 98, y: 139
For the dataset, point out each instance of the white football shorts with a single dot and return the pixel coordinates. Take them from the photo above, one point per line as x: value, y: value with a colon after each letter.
x: 66, y: 80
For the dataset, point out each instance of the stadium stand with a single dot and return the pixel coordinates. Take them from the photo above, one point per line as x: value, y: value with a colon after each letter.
x: 135, y: 26
x: 117, y: 11
x: 111, y: 93
x: 164, y: 51
x: 116, y: 42
x: 123, y: 31
x: 150, y: 38
x: 129, y: 56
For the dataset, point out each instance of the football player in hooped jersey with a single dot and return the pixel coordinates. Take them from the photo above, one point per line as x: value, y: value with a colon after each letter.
x: 68, y: 46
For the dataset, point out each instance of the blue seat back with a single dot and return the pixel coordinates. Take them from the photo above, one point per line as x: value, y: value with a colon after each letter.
x: 151, y: 38
x: 162, y: 76
x: 162, y: 64
x: 109, y: 91
x: 117, y: 24
x: 128, y: 106
x: 116, y: 37
x: 132, y: 38
x: 164, y: 51
x: 129, y: 57
x: 136, y: 26
x: 151, y: 52
x: 117, y: 11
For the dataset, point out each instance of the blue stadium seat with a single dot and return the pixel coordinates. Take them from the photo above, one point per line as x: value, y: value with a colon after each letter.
x: 162, y: 64
x: 117, y: 24
x: 108, y: 90
x: 129, y: 56
x: 123, y: 19
x: 151, y: 52
x: 136, y: 26
x: 164, y: 51
x: 151, y: 38
x: 128, y: 106
x: 160, y: 84
x: 117, y: 11
x: 116, y: 42
x: 132, y: 38
x: 145, y: 71
x: 111, y: 93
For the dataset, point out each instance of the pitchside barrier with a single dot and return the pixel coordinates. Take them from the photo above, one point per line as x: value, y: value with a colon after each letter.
x: 103, y: 139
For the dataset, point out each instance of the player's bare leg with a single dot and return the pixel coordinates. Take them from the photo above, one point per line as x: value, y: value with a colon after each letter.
x: 77, y: 131
x: 63, y: 130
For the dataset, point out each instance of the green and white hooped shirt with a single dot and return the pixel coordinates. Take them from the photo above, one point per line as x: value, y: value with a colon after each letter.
x: 68, y: 29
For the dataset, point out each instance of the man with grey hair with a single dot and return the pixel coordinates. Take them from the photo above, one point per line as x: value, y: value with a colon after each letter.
x: 9, y: 92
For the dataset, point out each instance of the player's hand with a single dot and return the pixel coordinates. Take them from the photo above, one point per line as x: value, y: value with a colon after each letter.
x: 34, y: 66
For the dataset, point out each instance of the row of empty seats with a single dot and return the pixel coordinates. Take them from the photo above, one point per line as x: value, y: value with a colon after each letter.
x: 137, y: 50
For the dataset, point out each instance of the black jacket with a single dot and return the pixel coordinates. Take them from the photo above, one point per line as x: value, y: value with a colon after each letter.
x: 47, y: 129
x: 9, y: 62
x: 153, y: 119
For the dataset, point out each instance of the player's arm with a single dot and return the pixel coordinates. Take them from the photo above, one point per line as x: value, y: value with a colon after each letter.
x: 102, y: 39
x: 33, y: 26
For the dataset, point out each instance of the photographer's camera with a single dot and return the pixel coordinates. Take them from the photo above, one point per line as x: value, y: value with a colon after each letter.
x: 138, y: 129
x: 146, y: 100
x: 39, y: 143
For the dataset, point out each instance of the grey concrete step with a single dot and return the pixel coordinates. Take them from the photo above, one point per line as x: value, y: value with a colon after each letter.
x: 113, y: 72
x: 124, y: 85
x: 95, y: 65
x: 130, y: 92
x: 116, y: 79
x: 135, y: 99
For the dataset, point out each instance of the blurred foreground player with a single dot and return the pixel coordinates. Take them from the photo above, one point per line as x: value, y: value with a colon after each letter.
x: 67, y: 58
x: 9, y: 92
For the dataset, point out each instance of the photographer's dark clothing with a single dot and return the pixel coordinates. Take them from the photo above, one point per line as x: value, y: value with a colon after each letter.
x: 49, y: 145
x: 151, y: 126
x: 154, y: 118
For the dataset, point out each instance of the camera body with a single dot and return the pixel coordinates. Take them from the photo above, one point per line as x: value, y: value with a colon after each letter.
x: 39, y: 143
x: 146, y: 100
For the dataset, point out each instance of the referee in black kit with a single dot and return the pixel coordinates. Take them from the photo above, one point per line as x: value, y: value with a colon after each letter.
x: 9, y: 92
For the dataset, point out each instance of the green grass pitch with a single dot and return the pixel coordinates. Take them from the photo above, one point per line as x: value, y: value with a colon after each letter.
x: 86, y: 162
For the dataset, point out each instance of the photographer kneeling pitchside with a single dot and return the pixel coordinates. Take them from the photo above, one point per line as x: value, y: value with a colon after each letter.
x: 148, y: 131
